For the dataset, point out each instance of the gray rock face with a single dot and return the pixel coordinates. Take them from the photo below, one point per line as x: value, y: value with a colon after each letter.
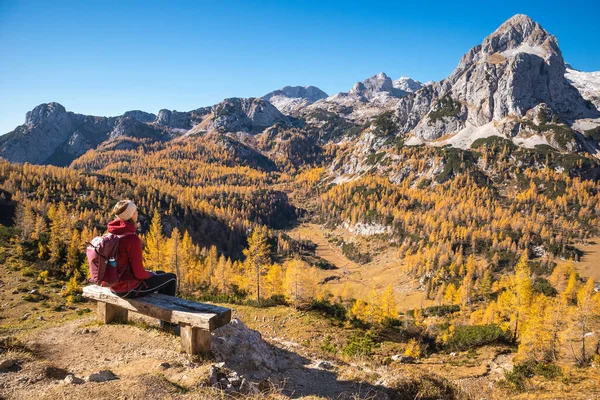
x: 515, y: 68
x: 52, y: 112
x: 173, y: 119
x: 365, y: 100
x: 309, y: 93
x: 291, y: 99
x: 46, y: 127
x: 141, y: 116
x: 179, y: 120
x: 128, y: 126
x: 51, y: 135
x: 587, y: 83
x: 407, y: 84
x: 375, y: 85
x: 245, y: 115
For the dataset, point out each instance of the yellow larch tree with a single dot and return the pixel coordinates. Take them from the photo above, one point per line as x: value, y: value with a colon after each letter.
x: 388, y: 306
x: 257, y: 257
x: 299, y: 285
x: 174, y: 254
x: 273, y: 281
x: 580, y: 333
x: 155, y: 245
x: 535, y: 341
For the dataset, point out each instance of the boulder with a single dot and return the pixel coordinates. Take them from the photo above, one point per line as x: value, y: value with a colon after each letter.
x: 72, y: 380
x: 244, y: 350
x: 9, y: 365
x: 102, y: 376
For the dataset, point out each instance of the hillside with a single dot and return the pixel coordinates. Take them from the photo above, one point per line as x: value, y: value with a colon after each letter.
x: 432, y: 240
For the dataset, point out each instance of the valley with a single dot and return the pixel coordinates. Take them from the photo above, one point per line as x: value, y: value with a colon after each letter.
x: 434, y: 240
x: 357, y: 279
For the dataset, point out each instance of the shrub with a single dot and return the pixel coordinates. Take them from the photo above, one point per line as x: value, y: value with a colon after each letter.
x: 360, y: 345
x: 375, y: 158
x: 593, y: 133
x: 328, y: 346
x: 438, y: 311
x: 83, y: 311
x: 384, y: 124
x: 517, y: 378
x: 7, y: 233
x: 541, y: 285
x: 325, y: 265
x: 446, y: 107
x: 391, y: 323
x: 72, y: 288
x: 413, y: 349
x: 336, y: 310
x: 521, y: 373
x: 465, y: 337
x: 43, y: 277
x: 352, y: 253
x: 494, y: 141
x: 74, y: 298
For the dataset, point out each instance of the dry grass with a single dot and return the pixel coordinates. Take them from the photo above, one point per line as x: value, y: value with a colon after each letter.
x: 496, y: 58
x: 385, y: 268
x: 589, y: 265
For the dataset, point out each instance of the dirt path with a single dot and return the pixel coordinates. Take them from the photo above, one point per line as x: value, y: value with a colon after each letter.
x: 149, y: 363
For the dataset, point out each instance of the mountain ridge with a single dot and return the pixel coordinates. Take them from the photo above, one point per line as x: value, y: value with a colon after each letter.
x: 514, y: 85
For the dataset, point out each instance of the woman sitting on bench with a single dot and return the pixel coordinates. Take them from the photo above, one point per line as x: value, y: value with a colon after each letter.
x: 135, y: 280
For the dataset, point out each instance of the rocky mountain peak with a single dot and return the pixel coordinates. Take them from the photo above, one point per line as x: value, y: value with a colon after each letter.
x: 310, y: 93
x: 245, y: 115
x: 519, y: 22
x: 290, y: 99
x: 496, y: 85
x: 371, y: 86
x: 520, y: 34
x: 44, y: 112
x: 141, y: 116
x: 407, y: 84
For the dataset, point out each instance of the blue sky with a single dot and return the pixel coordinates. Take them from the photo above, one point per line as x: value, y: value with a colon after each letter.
x: 105, y: 57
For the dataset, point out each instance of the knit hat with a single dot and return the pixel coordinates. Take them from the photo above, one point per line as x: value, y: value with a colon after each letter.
x: 128, y: 213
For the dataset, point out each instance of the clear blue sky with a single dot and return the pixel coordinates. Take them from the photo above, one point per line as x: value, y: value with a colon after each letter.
x: 105, y: 57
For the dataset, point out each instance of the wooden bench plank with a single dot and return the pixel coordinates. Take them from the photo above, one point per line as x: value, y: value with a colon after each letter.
x: 166, y: 308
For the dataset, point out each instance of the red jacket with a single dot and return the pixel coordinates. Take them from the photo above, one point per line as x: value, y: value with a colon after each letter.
x: 130, y: 256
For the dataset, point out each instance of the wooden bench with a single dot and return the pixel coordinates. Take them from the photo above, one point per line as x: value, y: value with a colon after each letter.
x: 196, y: 320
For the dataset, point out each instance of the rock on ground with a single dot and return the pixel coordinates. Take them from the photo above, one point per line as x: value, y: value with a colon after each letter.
x: 102, y: 376
x: 244, y: 350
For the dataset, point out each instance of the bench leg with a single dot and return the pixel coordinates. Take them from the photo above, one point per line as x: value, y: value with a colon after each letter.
x: 195, y: 340
x: 108, y: 313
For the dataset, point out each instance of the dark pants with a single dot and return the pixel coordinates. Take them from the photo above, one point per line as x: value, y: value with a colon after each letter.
x: 160, y: 282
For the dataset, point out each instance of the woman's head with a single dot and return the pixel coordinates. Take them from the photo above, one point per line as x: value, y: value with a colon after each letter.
x: 126, y: 210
